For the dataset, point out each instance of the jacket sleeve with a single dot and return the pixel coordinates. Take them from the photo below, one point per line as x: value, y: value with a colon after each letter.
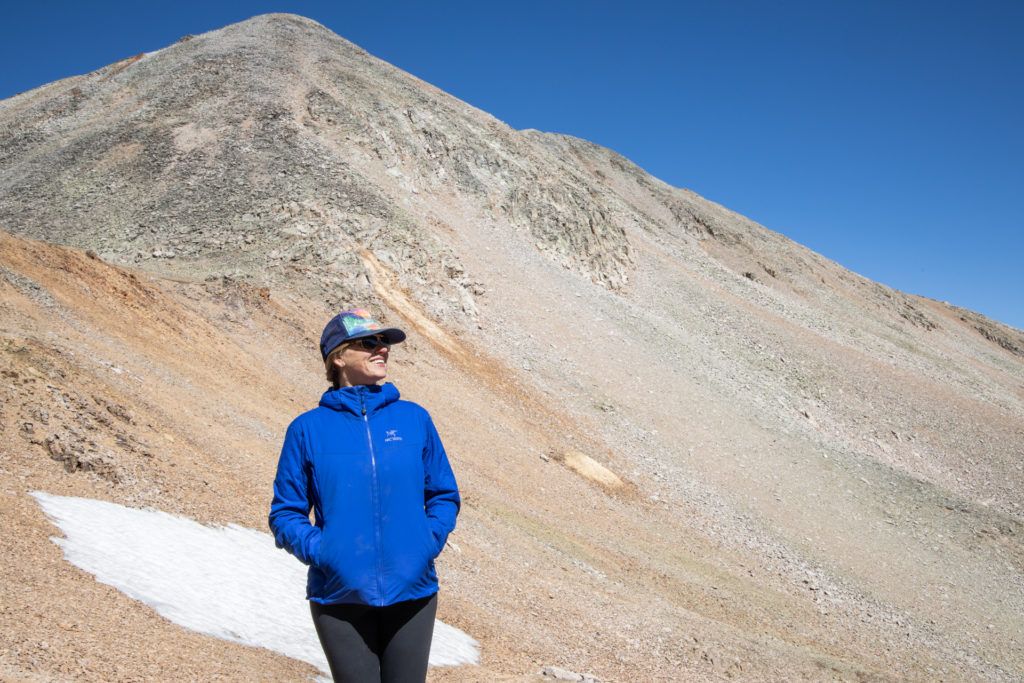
x: 293, y: 499
x: 440, y: 492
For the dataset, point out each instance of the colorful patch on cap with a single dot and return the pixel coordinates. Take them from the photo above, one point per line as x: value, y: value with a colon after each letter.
x: 358, y: 321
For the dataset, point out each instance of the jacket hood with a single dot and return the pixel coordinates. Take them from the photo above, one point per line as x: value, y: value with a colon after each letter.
x: 357, y: 399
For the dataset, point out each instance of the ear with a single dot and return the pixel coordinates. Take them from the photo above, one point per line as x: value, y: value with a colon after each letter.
x: 338, y: 362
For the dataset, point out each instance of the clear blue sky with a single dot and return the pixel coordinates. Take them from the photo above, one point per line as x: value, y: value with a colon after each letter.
x: 885, y: 135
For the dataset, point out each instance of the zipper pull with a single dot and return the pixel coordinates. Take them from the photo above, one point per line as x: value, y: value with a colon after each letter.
x: 362, y: 403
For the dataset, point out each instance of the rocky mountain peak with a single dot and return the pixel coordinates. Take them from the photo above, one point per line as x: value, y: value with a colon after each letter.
x: 277, y: 150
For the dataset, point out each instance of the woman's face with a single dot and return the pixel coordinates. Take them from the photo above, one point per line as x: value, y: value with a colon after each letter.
x: 361, y: 365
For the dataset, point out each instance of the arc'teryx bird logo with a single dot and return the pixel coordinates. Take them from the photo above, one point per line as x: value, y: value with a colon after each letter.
x: 391, y: 435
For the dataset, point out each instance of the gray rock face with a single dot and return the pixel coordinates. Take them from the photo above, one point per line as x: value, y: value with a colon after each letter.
x: 276, y: 149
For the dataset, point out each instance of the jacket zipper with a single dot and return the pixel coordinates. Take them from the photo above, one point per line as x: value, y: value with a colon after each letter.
x: 376, y: 503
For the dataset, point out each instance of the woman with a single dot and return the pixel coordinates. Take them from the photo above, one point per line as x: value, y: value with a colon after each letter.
x: 384, y: 499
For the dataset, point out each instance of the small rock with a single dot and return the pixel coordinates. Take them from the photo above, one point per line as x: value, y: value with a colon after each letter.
x: 560, y: 674
x: 121, y: 412
x: 55, y: 447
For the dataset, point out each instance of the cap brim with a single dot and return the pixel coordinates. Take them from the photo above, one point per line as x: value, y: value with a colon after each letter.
x: 392, y: 335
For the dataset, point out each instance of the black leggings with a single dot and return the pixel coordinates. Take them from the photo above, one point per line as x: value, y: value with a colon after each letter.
x: 367, y: 644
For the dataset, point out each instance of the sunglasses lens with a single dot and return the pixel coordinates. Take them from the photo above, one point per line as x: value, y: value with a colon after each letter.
x: 371, y: 343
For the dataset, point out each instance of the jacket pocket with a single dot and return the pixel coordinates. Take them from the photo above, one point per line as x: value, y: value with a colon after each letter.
x: 316, y: 558
x: 431, y: 541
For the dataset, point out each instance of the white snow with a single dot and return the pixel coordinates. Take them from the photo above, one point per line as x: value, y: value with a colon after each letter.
x: 230, y: 582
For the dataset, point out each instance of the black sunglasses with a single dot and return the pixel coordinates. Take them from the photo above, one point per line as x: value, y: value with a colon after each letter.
x: 370, y: 343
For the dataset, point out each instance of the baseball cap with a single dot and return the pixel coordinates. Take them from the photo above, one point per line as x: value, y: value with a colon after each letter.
x: 353, y: 324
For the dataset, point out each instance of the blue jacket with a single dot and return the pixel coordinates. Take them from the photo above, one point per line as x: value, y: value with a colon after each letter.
x: 384, y: 498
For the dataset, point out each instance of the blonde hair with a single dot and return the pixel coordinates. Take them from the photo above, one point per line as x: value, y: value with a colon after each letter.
x: 331, y: 369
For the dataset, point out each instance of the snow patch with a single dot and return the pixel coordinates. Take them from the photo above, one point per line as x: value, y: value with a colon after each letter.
x: 230, y: 582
